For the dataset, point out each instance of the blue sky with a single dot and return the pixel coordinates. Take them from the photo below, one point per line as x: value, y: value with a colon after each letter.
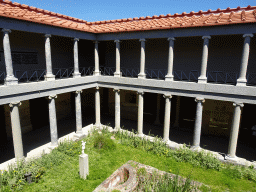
x: 99, y: 10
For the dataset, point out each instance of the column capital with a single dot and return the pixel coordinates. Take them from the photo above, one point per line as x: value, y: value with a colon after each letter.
x: 140, y: 92
x: 116, y: 90
x: 171, y: 38
x: 18, y: 103
x: 238, y: 104
x: 97, y: 88
x: 48, y: 35
x: 117, y: 41
x: 79, y: 91
x: 167, y: 96
x: 52, y: 97
x: 199, y: 99
x: 96, y: 42
x: 248, y: 35
x: 206, y: 37
x: 142, y: 39
x: 76, y: 39
x: 6, y: 30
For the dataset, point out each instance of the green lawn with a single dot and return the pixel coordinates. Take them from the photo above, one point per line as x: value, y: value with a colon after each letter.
x: 62, y: 166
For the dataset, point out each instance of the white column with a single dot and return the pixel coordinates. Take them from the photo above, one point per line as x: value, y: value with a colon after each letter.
x: 140, y: 113
x: 117, y: 109
x: 241, y: 81
x: 79, y: 131
x: 16, y: 130
x: 96, y: 58
x: 157, y: 121
x: 49, y: 76
x: 198, y: 122
x: 169, y: 76
x: 53, y: 121
x: 234, y: 132
x: 203, y: 78
x: 142, y: 74
x: 9, y: 79
x: 167, y: 117
x: 176, y: 123
x: 97, y: 107
x: 76, y: 65
x: 117, y: 73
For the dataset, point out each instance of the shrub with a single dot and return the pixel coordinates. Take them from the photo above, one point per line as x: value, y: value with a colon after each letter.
x: 103, y: 142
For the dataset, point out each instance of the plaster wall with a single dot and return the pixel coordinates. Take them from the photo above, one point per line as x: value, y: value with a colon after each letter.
x: 217, y: 117
x: 63, y: 105
x: 128, y: 104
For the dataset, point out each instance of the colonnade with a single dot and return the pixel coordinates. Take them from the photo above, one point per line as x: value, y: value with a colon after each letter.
x: 12, y: 80
x: 241, y: 81
x: 15, y: 121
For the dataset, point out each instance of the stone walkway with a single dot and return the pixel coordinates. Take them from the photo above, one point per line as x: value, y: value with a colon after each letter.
x: 39, y: 137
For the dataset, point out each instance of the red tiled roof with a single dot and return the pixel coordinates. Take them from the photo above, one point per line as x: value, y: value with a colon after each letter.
x: 192, y: 19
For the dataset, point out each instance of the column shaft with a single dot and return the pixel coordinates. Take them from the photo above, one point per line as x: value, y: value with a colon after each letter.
x: 142, y: 74
x: 241, y: 81
x: 78, y: 113
x: 97, y: 107
x: 10, y: 79
x: 169, y: 76
x: 198, y: 122
x: 49, y: 76
x: 117, y: 73
x: 117, y: 108
x: 203, y: 78
x: 234, y: 130
x: 53, y: 121
x: 16, y: 130
x: 96, y: 57
x: 167, y: 117
x: 140, y: 113
x: 76, y: 65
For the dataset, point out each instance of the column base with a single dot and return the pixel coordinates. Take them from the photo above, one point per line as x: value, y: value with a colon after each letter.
x: 118, y: 74
x: 98, y: 126
x: 49, y: 77
x: 167, y: 141
x: 76, y: 75
x: 141, y: 135
x: 195, y: 148
x: 202, y: 80
x: 96, y: 73
x: 11, y: 80
x: 52, y: 146
x: 229, y: 158
x: 78, y: 136
x: 169, y: 78
x: 142, y: 76
x: 19, y: 159
x: 241, y: 82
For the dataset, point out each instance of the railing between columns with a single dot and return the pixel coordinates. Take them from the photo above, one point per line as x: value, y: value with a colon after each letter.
x: 179, y: 75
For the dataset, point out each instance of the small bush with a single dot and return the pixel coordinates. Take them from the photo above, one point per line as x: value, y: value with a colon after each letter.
x: 103, y: 142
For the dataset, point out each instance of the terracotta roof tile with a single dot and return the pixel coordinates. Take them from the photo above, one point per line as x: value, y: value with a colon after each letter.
x: 192, y: 19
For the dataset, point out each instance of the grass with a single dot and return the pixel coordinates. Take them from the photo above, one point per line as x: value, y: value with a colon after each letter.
x: 58, y: 171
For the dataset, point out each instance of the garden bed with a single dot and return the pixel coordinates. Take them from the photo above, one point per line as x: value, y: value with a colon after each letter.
x: 108, y: 151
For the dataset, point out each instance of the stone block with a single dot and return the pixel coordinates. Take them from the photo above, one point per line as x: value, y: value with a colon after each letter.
x: 83, y: 165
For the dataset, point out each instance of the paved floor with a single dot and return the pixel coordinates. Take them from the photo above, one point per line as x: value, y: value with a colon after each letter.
x: 38, y: 137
